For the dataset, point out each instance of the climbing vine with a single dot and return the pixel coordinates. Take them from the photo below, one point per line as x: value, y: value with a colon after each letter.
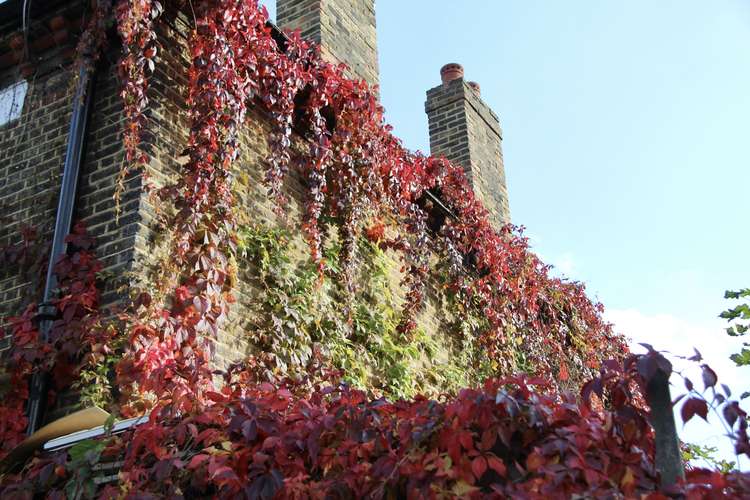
x: 135, y: 24
x: 283, y: 422
x: 78, y: 340
x: 298, y: 322
x: 354, y: 169
x: 737, y: 317
x: 173, y: 347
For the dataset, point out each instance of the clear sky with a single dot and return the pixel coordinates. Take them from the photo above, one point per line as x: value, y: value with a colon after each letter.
x: 626, y: 142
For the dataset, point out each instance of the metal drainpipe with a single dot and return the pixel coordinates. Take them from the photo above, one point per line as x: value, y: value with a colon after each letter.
x: 47, y: 312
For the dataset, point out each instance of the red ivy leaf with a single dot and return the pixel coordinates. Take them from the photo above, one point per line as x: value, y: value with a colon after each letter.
x: 564, y: 372
x: 709, y: 376
x: 478, y: 467
x: 731, y: 413
x: 497, y: 465
x: 727, y: 390
x: 197, y: 461
x: 688, y: 384
x: 592, y: 386
x: 466, y: 440
x: 692, y: 407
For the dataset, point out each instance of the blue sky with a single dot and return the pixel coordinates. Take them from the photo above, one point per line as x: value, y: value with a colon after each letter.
x: 626, y: 142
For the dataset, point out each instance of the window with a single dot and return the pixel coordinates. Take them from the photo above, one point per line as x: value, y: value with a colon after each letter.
x: 11, y: 101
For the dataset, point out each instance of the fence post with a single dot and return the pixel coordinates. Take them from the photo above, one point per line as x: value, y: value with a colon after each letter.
x: 668, y: 457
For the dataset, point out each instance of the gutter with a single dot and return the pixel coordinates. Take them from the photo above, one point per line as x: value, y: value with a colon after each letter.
x: 66, y: 432
x: 68, y: 440
x: 47, y: 312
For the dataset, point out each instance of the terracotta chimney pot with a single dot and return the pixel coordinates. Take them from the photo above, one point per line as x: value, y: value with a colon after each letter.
x: 451, y: 71
x: 475, y: 86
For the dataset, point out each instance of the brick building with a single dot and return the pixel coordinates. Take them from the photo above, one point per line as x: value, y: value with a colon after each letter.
x: 38, y: 107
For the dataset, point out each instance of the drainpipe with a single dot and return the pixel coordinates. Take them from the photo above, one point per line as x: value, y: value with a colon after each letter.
x: 47, y: 312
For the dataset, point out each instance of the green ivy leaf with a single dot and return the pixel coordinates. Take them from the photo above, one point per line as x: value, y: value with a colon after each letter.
x: 87, y: 451
x: 741, y: 358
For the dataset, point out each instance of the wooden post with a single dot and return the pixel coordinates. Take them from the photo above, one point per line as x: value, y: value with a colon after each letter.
x: 668, y: 457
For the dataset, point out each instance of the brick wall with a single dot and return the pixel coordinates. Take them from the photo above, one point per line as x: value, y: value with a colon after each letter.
x: 345, y: 29
x: 32, y: 166
x: 134, y: 248
x: 465, y: 130
x: 32, y: 158
x: 169, y: 129
x: 32, y: 151
x: 32, y: 147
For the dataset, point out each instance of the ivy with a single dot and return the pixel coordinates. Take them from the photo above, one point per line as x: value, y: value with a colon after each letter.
x: 299, y: 315
x: 78, y: 338
x: 172, y: 346
x: 510, y: 438
x: 282, y: 329
x: 135, y: 24
x: 355, y: 169
x: 84, y: 456
x: 286, y: 421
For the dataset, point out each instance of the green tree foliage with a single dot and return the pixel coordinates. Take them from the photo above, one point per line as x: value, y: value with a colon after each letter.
x: 738, y: 317
x: 704, y: 454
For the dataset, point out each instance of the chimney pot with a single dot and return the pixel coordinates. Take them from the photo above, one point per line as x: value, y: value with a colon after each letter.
x: 475, y: 86
x: 451, y: 71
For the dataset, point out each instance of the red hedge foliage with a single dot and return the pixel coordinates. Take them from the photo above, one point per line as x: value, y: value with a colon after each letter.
x: 510, y: 438
x: 76, y: 338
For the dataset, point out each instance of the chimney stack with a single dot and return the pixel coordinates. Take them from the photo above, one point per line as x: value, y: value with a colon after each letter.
x: 467, y: 132
x: 345, y: 30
